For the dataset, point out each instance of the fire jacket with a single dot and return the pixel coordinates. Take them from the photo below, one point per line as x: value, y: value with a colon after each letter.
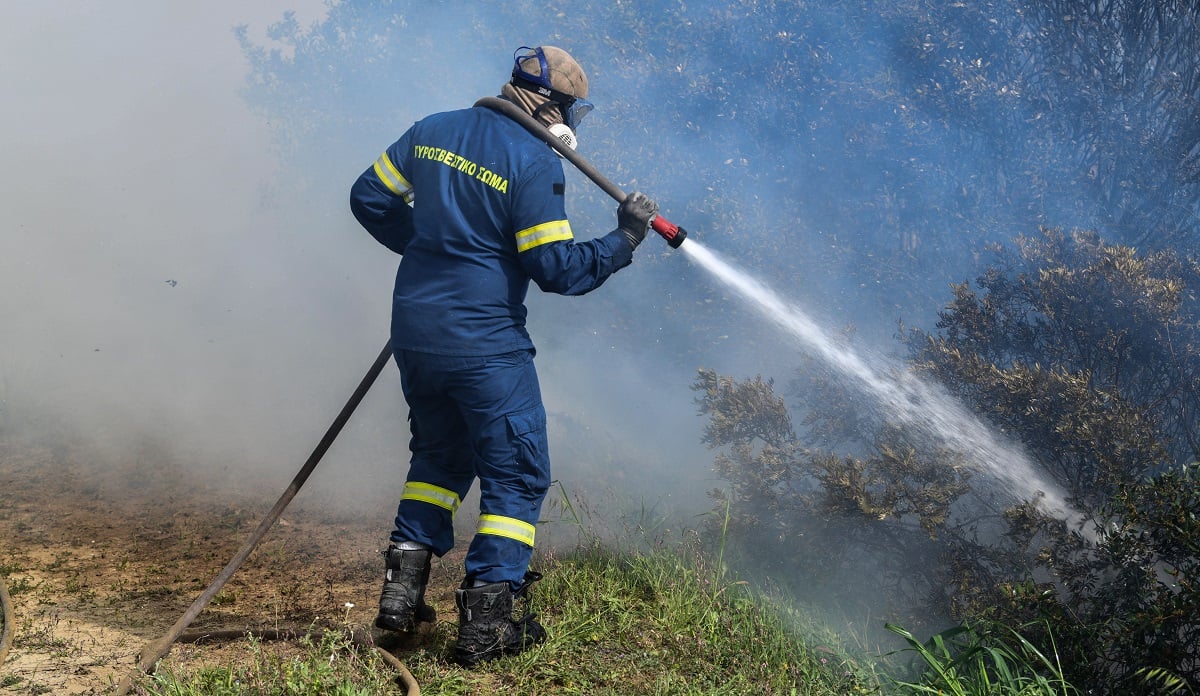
x: 475, y: 204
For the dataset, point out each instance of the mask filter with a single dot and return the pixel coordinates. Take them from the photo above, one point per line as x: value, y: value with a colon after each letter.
x: 565, y: 134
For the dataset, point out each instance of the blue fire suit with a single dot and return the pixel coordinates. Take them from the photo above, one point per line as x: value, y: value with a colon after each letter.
x: 475, y: 204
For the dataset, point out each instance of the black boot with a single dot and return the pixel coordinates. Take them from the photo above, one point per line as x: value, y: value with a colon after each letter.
x: 402, y: 603
x: 486, y: 629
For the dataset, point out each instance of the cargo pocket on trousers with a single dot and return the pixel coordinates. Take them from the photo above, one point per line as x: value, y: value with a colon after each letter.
x: 531, y: 448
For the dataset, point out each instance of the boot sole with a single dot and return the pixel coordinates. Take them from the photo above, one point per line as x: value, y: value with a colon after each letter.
x: 476, y: 659
x: 471, y: 659
x: 395, y: 622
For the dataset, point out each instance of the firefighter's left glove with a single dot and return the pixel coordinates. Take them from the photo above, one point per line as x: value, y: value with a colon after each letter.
x: 634, y: 216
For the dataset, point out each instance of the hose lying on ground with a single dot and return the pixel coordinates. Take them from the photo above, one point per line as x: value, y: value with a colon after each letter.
x: 155, y: 650
x: 358, y: 636
x: 6, y: 633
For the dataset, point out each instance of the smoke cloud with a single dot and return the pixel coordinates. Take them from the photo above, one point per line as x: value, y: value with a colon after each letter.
x: 179, y: 278
x: 151, y: 283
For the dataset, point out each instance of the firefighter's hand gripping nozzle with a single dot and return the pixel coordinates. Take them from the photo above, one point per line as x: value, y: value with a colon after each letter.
x: 674, y: 234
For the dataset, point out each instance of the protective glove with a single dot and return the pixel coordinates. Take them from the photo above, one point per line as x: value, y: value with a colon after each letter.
x: 634, y: 216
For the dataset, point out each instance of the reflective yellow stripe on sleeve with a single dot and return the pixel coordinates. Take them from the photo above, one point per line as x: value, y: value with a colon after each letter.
x: 392, y: 178
x: 434, y: 495
x: 554, y: 231
x: 509, y: 527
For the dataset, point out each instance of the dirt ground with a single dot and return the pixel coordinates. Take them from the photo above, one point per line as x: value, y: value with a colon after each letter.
x: 99, y: 560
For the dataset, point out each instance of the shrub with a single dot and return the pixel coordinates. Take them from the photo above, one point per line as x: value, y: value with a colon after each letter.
x: 1087, y: 353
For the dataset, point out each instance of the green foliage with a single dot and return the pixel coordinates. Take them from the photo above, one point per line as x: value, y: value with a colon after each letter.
x: 1070, y: 77
x: 670, y: 621
x: 983, y: 660
x: 1088, y: 354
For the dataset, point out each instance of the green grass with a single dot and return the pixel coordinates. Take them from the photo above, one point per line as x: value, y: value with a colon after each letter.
x: 665, y: 621
x: 988, y: 659
x: 328, y: 666
x: 659, y: 622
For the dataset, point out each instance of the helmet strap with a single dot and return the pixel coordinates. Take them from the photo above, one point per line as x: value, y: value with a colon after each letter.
x: 545, y: 106
x: 548, y: 92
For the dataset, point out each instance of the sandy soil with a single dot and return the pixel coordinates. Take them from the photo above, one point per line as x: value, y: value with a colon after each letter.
x: 101, y: 560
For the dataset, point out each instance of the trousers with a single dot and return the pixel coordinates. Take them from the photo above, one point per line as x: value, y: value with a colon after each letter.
x: 475, y: 418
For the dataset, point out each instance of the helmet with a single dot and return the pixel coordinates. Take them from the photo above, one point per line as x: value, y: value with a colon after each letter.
x: 553, y: 74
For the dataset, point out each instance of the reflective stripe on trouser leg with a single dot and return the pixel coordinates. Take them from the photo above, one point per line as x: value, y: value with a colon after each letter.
x: 508, y: 527
x: 426, y: 514
x: 434, y: 495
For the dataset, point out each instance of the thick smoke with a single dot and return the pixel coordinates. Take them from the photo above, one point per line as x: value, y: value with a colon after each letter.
x: 154, y: 286
x: 182, y: 276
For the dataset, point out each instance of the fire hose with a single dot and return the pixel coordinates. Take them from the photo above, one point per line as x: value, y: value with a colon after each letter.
x: 357, y: 636
x: 6, y: 615
x: 155, y: 650
x: 674, y: 234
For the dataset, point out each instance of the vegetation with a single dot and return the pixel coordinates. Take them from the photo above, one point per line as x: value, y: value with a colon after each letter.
x: 994, y: 660
x: 327, y: 665
x: 1085, y: 352
x: 661, y: 622
x: 666, y: 621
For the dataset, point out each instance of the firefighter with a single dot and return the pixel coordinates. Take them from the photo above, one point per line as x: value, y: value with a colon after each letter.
x: 474, y: 203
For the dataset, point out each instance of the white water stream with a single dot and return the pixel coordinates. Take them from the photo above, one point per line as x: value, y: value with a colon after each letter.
x: 904, y: 396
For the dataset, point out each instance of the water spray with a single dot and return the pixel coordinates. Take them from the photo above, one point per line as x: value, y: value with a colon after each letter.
x: 918, y: 404
x: 674, y: 234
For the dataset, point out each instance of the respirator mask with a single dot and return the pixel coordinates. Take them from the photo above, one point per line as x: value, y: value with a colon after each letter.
x: 566, y: 135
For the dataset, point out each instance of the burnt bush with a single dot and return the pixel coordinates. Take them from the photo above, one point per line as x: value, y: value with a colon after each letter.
x: 1085, y: 352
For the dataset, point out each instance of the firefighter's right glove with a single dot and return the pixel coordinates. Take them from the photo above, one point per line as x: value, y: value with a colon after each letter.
x: 634, y: 216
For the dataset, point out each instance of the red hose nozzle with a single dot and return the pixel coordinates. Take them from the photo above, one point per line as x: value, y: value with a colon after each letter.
x: 674, y: 234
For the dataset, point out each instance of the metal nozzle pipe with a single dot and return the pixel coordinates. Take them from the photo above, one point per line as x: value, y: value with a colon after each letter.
x: 669, y: 231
